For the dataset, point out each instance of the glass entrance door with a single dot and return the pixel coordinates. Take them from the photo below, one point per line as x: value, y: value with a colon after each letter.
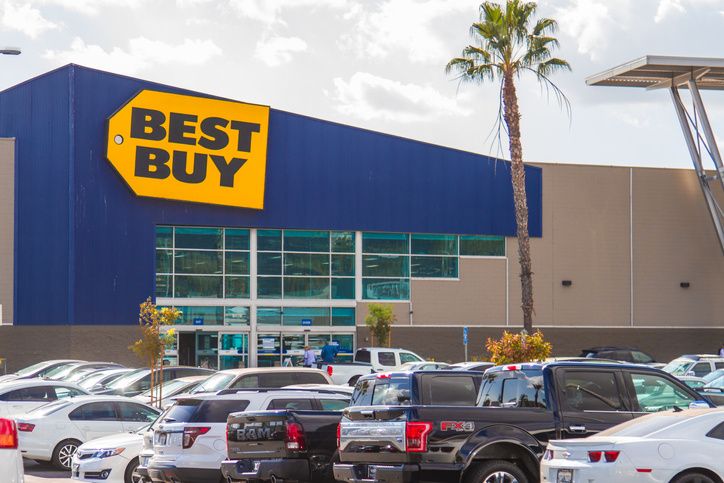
x: 207, y: 349
x: 233, y: 351
x: 293, y: 348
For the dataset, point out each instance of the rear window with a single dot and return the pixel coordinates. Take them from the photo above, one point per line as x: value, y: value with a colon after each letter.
x: 216, y: 411
x: 449, y: 390
x: 362, y: 355
x: 393, y: 391
x: 182, y: 411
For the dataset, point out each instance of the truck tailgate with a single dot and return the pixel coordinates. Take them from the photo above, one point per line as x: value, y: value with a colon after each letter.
x: 374, y: 434
x: 257, y: 435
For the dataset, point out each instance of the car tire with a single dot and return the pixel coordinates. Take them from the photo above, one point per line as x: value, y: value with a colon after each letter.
x: 496, y: 471
x: 129, y: 476
x: 693, y: 477
x: 63, y: 453
x: 352, y: 380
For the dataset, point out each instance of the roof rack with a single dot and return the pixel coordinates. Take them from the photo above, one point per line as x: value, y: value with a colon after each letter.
x: 272, y: 389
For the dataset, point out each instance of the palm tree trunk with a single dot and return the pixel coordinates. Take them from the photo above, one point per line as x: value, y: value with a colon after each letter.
x: 511, y: 115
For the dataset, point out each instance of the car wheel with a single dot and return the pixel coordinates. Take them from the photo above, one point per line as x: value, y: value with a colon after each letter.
x: 352, y: 380
x: 693, y: 478
x: 496, y: 471
x: 131, y: 475
x: 63, y: 453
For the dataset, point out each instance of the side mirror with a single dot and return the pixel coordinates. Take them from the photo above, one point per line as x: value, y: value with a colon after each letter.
x: 699, y: 405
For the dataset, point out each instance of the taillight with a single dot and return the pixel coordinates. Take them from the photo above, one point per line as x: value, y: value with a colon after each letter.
x: 26, y: 427
x: 295, y: 437
x: 383, y: 376
x: 8, y: 434
x: 191, y: 433
x: 416, y: 436
x: 339, y: 434
x: 608, y: 456
x: 330, y: 371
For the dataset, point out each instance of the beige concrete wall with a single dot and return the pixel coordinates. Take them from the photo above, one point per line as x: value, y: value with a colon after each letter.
x: 674, y: 242
x: 477, y: 298
x: 586, y: 239
x: 7, y: 227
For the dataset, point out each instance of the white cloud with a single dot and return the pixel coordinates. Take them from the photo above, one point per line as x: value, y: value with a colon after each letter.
x: 412, y: 26
x: 589, y: 22
x: 270, y: 11
x: 668, y: 8
x: 141, y: 54
x: 275, y: 51
x: 93, y: 7
x: 367, y: 96
x: 25, y: 18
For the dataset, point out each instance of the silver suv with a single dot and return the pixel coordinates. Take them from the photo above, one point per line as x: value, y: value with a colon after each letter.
x: 698, y: 365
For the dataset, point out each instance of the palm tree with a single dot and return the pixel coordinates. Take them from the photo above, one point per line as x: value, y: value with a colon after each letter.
x: 505, y: 48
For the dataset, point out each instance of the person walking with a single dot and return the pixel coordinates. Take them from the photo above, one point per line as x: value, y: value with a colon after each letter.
x: 309, y: 357
x: 329, y: 353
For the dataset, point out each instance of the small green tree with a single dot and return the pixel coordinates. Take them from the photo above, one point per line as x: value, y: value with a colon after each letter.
x: 150, y: 348
x: 379, y: 321
x: 520, y: 347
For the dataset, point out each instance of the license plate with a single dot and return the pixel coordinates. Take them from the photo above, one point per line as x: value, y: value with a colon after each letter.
x: 565, y: 476
x: 162, y: 438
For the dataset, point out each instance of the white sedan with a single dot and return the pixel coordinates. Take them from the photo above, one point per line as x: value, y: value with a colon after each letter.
x: 20, y: 396
x: 53, y: 432
x: 113, y: 459
x: 11, y: 463
x: 666, y: 447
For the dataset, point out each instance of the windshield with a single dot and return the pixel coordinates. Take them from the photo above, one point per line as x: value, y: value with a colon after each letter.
x: 80, y: 374
x: 90, y: 380
x: 60, y: 369
x: 169, y: 388
x: 677, y: 367
x: 716, y: 383
x: 217, y: 382
x: 713, y: 376
x: 31, y: 369
x: 127, y: 379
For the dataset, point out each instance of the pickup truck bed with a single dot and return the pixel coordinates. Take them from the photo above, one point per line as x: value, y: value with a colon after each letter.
x: 281, y: 445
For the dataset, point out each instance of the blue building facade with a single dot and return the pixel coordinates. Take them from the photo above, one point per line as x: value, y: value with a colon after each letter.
x: 87, y: 249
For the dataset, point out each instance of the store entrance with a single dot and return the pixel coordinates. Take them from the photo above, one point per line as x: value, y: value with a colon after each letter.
x: 186, y: 349
x: 213, y: 350
x: 277, y: 349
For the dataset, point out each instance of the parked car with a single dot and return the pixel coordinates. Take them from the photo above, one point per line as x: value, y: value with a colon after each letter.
x: 22, y: 395
x: 624, y: 354
x: 171, y: 389
x: 261, y: 377
x: 298, y: 444
x: 189, y: 443
x: 64, y: 372
x: 11, y: 461
x: 424, y: 366
x: 97, y: 381
x: 472, y: 366
x: 368, y: 360
x: 694, y: 365
x: 37, y: 370
x: 54, y: 431
x: 668, y: 447
x: 427, y: 426
x: 135, y: 383
x: 112, y: 459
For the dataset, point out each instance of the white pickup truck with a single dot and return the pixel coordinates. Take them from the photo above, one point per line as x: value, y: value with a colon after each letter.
x: 368, y: 360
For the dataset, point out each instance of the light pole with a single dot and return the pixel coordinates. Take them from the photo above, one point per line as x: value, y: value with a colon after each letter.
x: 10, y: 50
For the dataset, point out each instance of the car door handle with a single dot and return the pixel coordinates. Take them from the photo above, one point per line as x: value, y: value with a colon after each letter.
x: 578, y: 429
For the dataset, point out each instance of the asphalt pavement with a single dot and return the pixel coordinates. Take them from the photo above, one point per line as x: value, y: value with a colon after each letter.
x: 35, y: 473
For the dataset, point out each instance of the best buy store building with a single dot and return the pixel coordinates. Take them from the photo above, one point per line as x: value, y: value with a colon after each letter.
x: 271, y: 230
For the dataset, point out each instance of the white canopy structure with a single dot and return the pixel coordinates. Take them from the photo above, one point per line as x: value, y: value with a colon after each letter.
x: 674, y: 73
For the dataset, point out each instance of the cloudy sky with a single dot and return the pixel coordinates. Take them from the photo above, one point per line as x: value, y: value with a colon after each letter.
x: 379, y: 64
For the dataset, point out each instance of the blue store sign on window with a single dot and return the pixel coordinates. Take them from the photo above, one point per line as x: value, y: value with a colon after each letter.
x: 306, y: 322
x: 198, y: 321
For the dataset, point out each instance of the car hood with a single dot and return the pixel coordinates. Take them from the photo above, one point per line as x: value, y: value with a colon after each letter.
x: 114, y: 441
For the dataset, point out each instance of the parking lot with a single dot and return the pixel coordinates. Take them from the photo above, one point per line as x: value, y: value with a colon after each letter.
x: 35, y: 473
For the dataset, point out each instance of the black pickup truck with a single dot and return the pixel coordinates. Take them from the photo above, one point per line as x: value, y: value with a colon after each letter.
x: 391, y: 433
x: 283, y: 445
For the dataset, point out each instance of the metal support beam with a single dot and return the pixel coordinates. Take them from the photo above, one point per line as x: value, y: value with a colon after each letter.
x: 708, y: 133
x: 714, y: 211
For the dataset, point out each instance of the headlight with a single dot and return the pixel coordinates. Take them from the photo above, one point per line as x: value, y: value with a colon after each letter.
x: 108, y: 452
